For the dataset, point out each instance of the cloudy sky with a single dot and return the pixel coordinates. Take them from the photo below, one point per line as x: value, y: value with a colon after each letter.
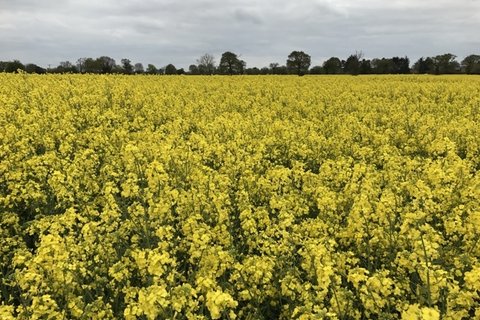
x: 46, y: 32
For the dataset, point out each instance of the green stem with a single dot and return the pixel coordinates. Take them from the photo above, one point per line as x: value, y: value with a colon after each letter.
x: 429, y: 296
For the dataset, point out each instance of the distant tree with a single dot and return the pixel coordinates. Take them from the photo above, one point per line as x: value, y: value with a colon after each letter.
x: 264, y: 70
x: 206, y: 64
x: 92, y: 66
x: 471, y: 64
x: 252, y: 71
x: 381, y: 66
x: 170, y: 69
x: 81, y: 65
x: 352, y: 65
x: 65, y: 64
x: 230, y: 64
x: 30, y: 68
x: 117, y: 69
x: 365, y: 67
x: 428, y: 65
x: 3, y: 66
x: 276, y: 68
x: 446, y: 64
x: 281, y: 70
x: 316, y: 70
x: 14, y: 66
x: 106, y: 64
x: 273, y: 67
x: 127, y: 66
x: 33, y: 68
x: 193, y: 69
x: 180, y: 71
x: 138, y: 68
x: 151, y: 69
x: 332, y: 66
x: 400, y: 65
x: 298, y: 62
x: 65, y: 67
x: 393, y: 65
x: 424, y: 65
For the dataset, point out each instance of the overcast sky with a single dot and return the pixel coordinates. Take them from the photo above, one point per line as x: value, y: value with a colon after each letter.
x: 46, y: 32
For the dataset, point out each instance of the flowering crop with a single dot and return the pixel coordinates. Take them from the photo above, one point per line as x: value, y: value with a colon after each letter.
x: 239, y: 197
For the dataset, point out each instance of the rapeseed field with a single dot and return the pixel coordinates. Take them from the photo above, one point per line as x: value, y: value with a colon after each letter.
x: 276, y: 197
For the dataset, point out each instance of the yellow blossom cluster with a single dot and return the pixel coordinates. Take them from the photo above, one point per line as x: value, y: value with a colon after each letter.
x: 332, y: 197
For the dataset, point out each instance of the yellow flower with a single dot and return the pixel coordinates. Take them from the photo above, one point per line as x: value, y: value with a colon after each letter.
x: 6, y: 312
x: 218, y: 301
x: 415, y: 312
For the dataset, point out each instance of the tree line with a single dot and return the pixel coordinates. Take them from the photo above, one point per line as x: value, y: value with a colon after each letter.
x: 298, y: 62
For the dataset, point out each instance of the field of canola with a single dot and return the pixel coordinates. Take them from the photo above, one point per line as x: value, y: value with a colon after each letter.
x: 137, y: 197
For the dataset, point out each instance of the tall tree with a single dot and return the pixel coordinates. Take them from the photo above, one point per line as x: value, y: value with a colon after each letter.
x: 298, y: 62
x: 332, y: 66
x: 230, y: 64
x: 393, y: 65
x: 424, y: 66
x: 66, y: 67
x: 381, y: 66
x: 352, y: 65
x: 33, y: 68
x: 193, y: 69
x: 127, y: 66
x: 106, y: 64
x: 14, y: 66
x: 273, y: 67
x: 92, y: 66
x: 170, y: 69
x: 151, y: 69
x: 400, y: 65
x: 81, y: 65
x: 206, y: 64
x: 471, y: 64
x: 365, y: 66
x: 446, y: 64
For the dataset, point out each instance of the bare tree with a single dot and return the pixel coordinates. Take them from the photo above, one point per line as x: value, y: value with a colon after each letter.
x: 138, y: 68
x: 66, y: 66
x: 81, y: 65
x: 273, y: 65
x: 206, y: 64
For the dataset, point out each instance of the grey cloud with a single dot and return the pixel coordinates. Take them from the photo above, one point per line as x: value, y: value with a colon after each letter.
x: 242, y: 15
x: 169, y: 31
